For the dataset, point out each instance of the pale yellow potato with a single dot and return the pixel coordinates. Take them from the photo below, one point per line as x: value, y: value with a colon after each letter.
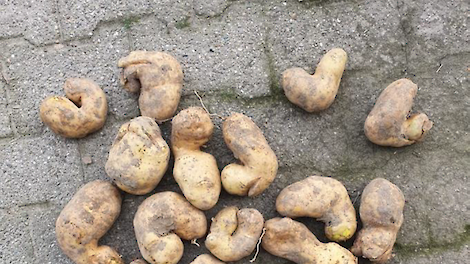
x: 206, y: 259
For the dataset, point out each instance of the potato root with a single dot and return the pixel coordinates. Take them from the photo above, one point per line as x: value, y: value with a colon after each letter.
x: 138, y: 157
x: 381, y: 213
x: 390, y: 123
x: 85, y: 219
x: 206, y: 259
x: 323, y: 198
x: 160, y: 223
x: 315, y: 93
x: 159, y: 78
x: 234, y: 233
x: 81, y: 112
x: 259, y: 163
x: 195, y: 171
x: 292, y: 240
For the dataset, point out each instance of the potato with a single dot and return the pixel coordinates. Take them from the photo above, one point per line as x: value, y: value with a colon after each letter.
x: 315, y: 93
x: 159, y: 78
x: 160, y: 223
x: 381, y: 214
x: 390, y: 123
x: 234, y: 233
x: 292, y: 240
x: 85, y: 219
x: 323, y: 198
x: 206, y: 259
x: 259, y: 163
x: 196, y: 172
x: 139, y: 261
x: 81, y: 112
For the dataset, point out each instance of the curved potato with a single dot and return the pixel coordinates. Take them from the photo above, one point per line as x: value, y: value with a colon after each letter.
x: 206, y: 259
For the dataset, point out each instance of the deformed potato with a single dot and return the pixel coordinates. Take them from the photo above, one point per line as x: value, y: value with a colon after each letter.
x: 85, y: 219
x: 206, y: 259
x: 381, y: 214
x: 138, y: 157
x: 315, y: 93
x: 323, y: 198
x: 259, y: 163
x: 234, y: 233
x: 81, y: 112
x: 160, y: 223
x: 390, y: 123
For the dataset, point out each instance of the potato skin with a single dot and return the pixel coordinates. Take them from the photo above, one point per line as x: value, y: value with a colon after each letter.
x: 388, y: 123
x: 62, y: 115
x: 160, y: 223
x: 159, y: 78
x: 381, y: 214
x: 234, y: 233
x: 206, y: 259
x: 315, y: 93
x: 85, y: 219
x: 259, y: 163
x: 195, y: 171
x: 323, y: 198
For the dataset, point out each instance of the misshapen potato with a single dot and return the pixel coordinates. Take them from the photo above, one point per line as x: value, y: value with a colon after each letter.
x: 234, y: 233
x: 389, y: 122
x: 196, y: 172
x: 315, y: 93
x: 206, y: 259
x: 81, y: 112
x: 85, y: 219
x: 292, y: 240
x: 381, y: 214
x: 138, y: 157
x: 160, y: 223
x: 259, y: 163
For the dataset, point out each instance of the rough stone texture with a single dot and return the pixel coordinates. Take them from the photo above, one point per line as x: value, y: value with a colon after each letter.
x: 210, y: 8
x: 15, y: 239
x: 5, y: 124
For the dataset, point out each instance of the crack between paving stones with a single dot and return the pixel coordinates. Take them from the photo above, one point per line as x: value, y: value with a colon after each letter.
x: 405, y: 35
x: 59, y: 21
x: 8, y: 97
x: 82, y: 168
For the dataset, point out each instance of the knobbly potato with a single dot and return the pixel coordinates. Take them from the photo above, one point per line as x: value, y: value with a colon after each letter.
x: 381, y: 214
x: 196, y: 172
x: 390, y: 123
x: 315, y: 93
x: 85, y: 219
x: 323, y: 198
x: 206, y: 259
x: 292, y: 240
x: 259, y: 163
x: 160, y: 223
x: 159, y: 78
x: 81, y: 112
x: 138, y: 157
x: 234, y: 233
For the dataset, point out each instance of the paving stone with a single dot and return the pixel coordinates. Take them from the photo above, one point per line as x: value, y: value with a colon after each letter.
x: 168, y: 11
x: 210, y: 8
x: 5, y: 124
x: 15, y: 239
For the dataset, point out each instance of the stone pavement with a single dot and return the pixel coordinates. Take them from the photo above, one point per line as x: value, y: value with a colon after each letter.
x: 232, y: 53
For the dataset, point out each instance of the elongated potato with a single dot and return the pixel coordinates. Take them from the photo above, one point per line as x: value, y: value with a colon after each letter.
x: 206, y: 259
x: 85, y: 219
x: 259, y: 163
x: 196, y: 172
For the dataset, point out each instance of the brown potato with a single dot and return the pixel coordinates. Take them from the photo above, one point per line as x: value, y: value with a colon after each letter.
x: 323, y: 198
x: 234, y: 233
x: 138, y: 157
x: 206, y: 259
x: 390, y: 123
x: 160, y: 223
x: 196, y: 172
x: 315, y: 93
x: 292, y: 240
x: 85, y: 219
x: 81, y: 112
x: 381, y: 214
x: 159, y: 78
x: 259, y: 163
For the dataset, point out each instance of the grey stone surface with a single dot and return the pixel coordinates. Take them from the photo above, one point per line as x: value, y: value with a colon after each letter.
x: 210, y: 8
x: 16, y: 244
x: 5, y: 124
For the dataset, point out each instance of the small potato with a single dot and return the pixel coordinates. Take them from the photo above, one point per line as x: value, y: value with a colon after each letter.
x: 159, y: 78
x: 259, y: 163
x: 292, y: 240
x: 206, y: 259
x: 315, y: 93
x: 196, y: 172
x: 81, y: 112
x: 323, y: 198
x: 138, y: 157
x: 390, y: 123
x: 160, y: 223
x: 85, y: 219
x: 234, y: 233
x: 381, y: 214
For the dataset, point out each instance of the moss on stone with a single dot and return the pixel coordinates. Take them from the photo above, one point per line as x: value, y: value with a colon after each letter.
x: 184, y: 23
